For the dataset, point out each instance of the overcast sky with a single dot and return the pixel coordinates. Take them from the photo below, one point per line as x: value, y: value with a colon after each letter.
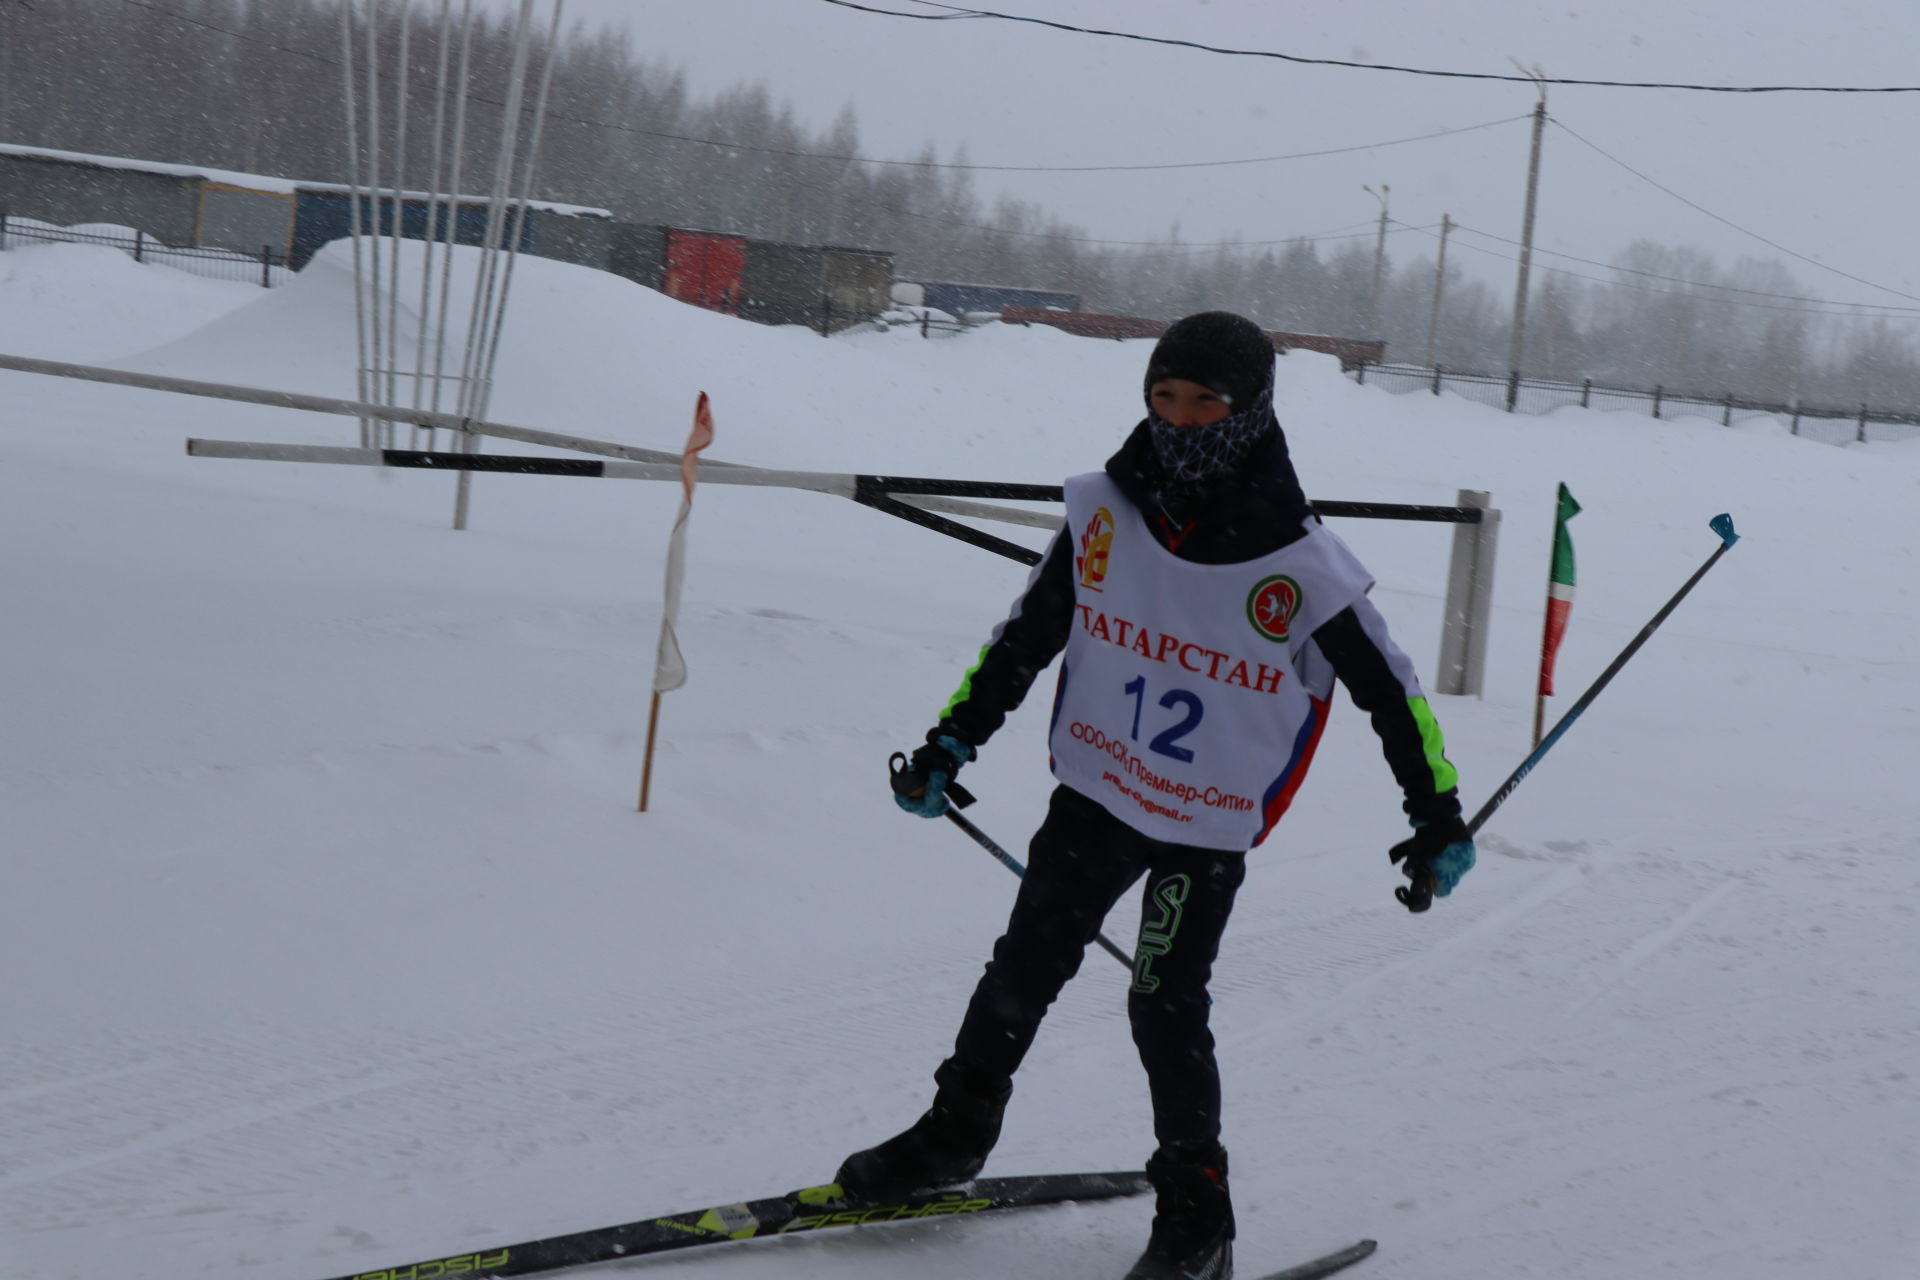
x: 1830, y: 176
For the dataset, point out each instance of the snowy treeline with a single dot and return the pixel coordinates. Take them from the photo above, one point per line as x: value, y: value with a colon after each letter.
x: 630, y: 135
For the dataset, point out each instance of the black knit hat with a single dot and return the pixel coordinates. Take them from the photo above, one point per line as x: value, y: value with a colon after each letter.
x: 1229, y: 355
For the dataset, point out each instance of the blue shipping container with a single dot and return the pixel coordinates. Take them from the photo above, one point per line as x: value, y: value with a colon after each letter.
x: 957, y: 299
x: 323, y: 216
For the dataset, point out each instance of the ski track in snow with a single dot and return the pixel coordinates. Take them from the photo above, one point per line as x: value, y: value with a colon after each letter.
x: 114, y: 1135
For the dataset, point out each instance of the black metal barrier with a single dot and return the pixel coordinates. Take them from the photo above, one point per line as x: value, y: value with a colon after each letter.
x: 878, y: 492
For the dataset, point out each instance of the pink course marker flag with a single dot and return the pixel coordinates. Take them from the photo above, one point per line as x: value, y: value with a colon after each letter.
x: 1559, y: 590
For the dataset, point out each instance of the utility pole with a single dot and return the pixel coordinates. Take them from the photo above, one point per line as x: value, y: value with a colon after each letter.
x: 1379, y: 261
x: 1439, y: 283
x: 1526, y: 252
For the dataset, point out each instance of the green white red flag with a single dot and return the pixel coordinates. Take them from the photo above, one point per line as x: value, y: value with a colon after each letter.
x: 1559, y: 590
x: 669, y: 668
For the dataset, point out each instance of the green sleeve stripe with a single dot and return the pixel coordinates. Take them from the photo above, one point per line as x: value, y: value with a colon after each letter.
x: 965, y: 690
x: 1445, y: 776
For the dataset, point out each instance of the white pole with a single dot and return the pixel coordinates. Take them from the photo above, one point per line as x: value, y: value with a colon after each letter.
x: 431, y: 231
x: 526, y: 194
x: 373, y: 208
x: 402, y: 81
x: 474, y: 399
x: 488, y: 274
x: 1468, y: 610
x: 354, y: 227
x: 333, y: 404
x: 453, y: 201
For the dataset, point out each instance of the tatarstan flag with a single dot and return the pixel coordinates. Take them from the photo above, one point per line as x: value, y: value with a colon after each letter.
x: 1559, y: 590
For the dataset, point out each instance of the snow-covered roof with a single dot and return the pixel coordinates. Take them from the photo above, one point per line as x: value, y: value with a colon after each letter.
x: 255, y: 181
x: 547, y: 206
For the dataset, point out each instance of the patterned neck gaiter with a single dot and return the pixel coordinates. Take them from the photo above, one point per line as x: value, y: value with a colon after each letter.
x: 1192, y: 458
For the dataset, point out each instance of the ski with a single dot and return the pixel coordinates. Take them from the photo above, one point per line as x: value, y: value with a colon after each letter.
x: 1326, y: 1266
x: 812, y: 1209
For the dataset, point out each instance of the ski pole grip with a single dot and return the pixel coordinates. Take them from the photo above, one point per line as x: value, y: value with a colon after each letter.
x: 906, y: 782
x: 1416, y: 897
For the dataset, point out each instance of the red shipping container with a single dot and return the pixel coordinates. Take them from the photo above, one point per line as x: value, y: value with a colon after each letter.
x: 705, y: 269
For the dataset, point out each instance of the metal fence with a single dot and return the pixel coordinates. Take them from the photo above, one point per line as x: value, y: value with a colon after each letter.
x: 930, y: 321
x: 1832, y: 424
x: 266, y: 268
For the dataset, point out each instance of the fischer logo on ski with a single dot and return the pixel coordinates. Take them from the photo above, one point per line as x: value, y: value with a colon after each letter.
x: 466, y: 1264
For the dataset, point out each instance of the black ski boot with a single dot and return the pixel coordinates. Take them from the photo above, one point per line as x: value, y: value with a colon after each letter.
x: 1192, y: 1218
x: 946, y: 1145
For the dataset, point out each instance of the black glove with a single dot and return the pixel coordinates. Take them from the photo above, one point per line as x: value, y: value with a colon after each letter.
x: 1434, y: 858
x: 921, y: 788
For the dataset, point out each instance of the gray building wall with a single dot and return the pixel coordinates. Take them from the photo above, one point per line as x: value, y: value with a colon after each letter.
x: 235, y: 218
x: 859, y: 282
x: 68, y: 191
x: 638, y: 253
x: 567, y: 237
x: 821, y: 286
x: 785, y: 284
x: 824, y: 287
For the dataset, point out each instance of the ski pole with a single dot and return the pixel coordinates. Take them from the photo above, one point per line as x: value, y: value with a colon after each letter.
x: 960, y: 798
x: 1418, y: 897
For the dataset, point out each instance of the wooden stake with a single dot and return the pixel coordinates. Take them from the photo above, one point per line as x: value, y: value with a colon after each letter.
x: 646, y: 767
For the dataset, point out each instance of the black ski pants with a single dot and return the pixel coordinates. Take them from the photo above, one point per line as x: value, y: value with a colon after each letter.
x: 1080, y: 861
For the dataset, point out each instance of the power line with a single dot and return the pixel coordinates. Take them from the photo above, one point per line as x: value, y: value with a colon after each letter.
x: 1698, y: 284
x: 1191, y: 164
x: 954, y: 13
x: 792, y: 153
x: 1025, y: 168
x: 1730, y: 223
x: 228, y: 31
x: 1146, y: 248
x: 1163, y: 246
x: 1160, y: 245
x: 1209, y: 246
x: 1668, y: 293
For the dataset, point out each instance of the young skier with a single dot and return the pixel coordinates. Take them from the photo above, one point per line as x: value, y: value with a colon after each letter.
x: 1205, y: 613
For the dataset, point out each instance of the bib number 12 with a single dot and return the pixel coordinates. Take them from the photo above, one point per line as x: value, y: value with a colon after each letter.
x: 1166, y: 742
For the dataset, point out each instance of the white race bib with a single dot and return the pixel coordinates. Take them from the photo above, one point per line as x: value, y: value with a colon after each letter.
x: 1190, y: 698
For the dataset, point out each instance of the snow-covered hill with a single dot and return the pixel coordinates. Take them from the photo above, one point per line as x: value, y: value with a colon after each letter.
x: 332, y: 938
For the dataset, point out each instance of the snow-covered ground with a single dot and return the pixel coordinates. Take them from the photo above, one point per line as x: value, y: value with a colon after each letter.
x: 332, y: 939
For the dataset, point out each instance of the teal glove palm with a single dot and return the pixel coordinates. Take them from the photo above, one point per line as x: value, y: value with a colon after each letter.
x: 1433, y: 858
x: 921, y: 788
